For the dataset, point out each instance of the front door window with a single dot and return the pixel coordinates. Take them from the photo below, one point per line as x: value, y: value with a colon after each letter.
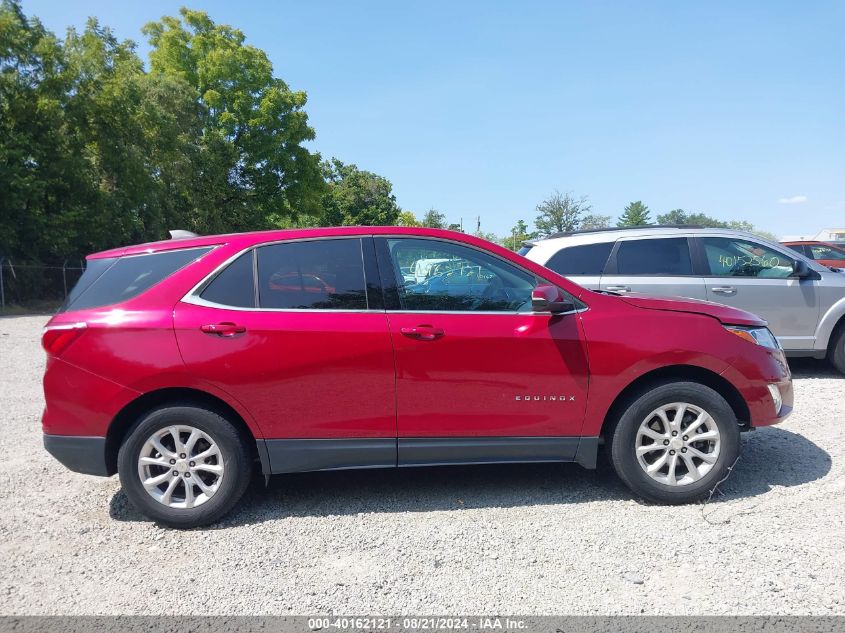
x: 449, y: 277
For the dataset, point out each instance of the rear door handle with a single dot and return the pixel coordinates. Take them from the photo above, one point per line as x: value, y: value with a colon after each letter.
x: 226, y: 328
x: 618, y: 288
x: 422, y: 332
x: 724, y: 290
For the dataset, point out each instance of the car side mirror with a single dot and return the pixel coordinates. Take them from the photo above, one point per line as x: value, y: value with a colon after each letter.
x: 801, y: 270
x: 547, y: 298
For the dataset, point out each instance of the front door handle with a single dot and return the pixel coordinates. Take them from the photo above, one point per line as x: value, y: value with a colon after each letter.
x: 227, y: 328
x: 422, y: 332
x: 724, y: 290
x: 618, y: 288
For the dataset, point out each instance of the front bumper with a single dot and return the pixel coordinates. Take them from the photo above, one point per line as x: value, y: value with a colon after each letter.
x: 80, y: 454
x: 752, y: 374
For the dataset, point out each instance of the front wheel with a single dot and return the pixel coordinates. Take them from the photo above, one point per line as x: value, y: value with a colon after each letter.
x: 836, y: 354
x: 184, y: 466
x: 675, y: 442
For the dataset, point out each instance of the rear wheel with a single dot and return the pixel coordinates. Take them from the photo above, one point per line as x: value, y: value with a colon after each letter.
x: 675, y: 442
x: 836, y: 353
x: 184, y: 466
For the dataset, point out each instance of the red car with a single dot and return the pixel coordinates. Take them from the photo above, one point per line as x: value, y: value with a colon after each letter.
x: 826, y: 254
x: 184, y: 365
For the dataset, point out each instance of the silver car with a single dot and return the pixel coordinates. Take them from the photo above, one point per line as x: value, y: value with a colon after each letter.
x: 803, y: 301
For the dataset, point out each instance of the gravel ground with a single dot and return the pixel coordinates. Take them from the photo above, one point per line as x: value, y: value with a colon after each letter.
x: 539, y: 539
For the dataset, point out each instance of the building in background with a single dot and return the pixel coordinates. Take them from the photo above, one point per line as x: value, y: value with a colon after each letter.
x: 825, y: 235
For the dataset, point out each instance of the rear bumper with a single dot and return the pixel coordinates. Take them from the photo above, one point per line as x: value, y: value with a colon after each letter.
x: 80, y: 454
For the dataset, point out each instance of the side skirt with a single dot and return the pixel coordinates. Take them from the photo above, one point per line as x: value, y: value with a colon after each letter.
x: 303, y: 455
x: 440, y: 451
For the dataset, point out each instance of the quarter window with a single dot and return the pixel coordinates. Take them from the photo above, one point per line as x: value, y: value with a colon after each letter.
x: 443, y: 276
x: 316, y: 275
x: 588, y: 259
x: 668, y: 256
x: 730, y: 257
x: 108, y: 283
x: 234, y: 285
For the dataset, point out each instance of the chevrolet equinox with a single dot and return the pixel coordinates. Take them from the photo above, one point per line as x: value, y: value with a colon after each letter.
x: 186, y: 364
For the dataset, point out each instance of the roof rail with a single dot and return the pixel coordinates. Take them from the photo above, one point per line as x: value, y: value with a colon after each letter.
x: 179, y: 234
x: 625, y: 228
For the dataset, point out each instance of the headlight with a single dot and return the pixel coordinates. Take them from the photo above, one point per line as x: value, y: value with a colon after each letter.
x: 757, y: 335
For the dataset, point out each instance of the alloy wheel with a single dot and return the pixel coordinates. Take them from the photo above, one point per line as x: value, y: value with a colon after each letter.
x: 677, y: 444
x: 180, y: 466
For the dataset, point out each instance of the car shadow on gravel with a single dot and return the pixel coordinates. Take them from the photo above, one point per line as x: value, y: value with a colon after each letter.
x: 771, y: 457
x: 813, y: 368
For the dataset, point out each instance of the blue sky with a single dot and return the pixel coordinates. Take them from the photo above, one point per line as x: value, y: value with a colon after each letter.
x: 484, y: 108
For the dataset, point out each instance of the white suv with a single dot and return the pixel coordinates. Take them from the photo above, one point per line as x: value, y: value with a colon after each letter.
x: 803, y: 301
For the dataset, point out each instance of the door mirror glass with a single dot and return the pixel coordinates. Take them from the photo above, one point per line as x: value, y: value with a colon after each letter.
x: 546, y: 298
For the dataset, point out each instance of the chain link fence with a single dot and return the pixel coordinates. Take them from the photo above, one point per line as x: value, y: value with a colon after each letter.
x: 33, y: 285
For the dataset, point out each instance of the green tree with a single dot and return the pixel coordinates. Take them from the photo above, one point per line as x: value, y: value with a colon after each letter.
x: 519, y: 233
x: 433, y: 219
x: 489, y: 236
x: 560, y: 212
x: 595, y: 221
x: 355, y: 197
x: 636, y: 214
x: 38, y: 169
x: 91, y: 148
x: 748, y: 227
x: 250, y: 168
x: 407, y: 218
x: 679, y: 216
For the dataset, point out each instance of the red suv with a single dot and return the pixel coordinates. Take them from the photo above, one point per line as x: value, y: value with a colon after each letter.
x: 182, y: 364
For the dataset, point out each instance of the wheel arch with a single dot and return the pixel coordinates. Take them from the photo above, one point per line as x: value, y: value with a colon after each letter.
x: 830, y: 324
x: 834, y: 333
x: 676, y: 373
x: 130, y: 413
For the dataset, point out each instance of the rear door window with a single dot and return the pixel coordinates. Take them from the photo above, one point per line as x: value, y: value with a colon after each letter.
x: 667, y: 256
x: 312, y: 275
x: 588, y: 259
x: 127, y: 277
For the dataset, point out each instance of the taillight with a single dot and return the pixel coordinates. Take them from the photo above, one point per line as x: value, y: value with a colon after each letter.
x: 56, y: 338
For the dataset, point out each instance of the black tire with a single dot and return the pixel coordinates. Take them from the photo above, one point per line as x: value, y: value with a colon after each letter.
x: 836, y: 351
x: 621, y: 441
x: 236, y: 461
